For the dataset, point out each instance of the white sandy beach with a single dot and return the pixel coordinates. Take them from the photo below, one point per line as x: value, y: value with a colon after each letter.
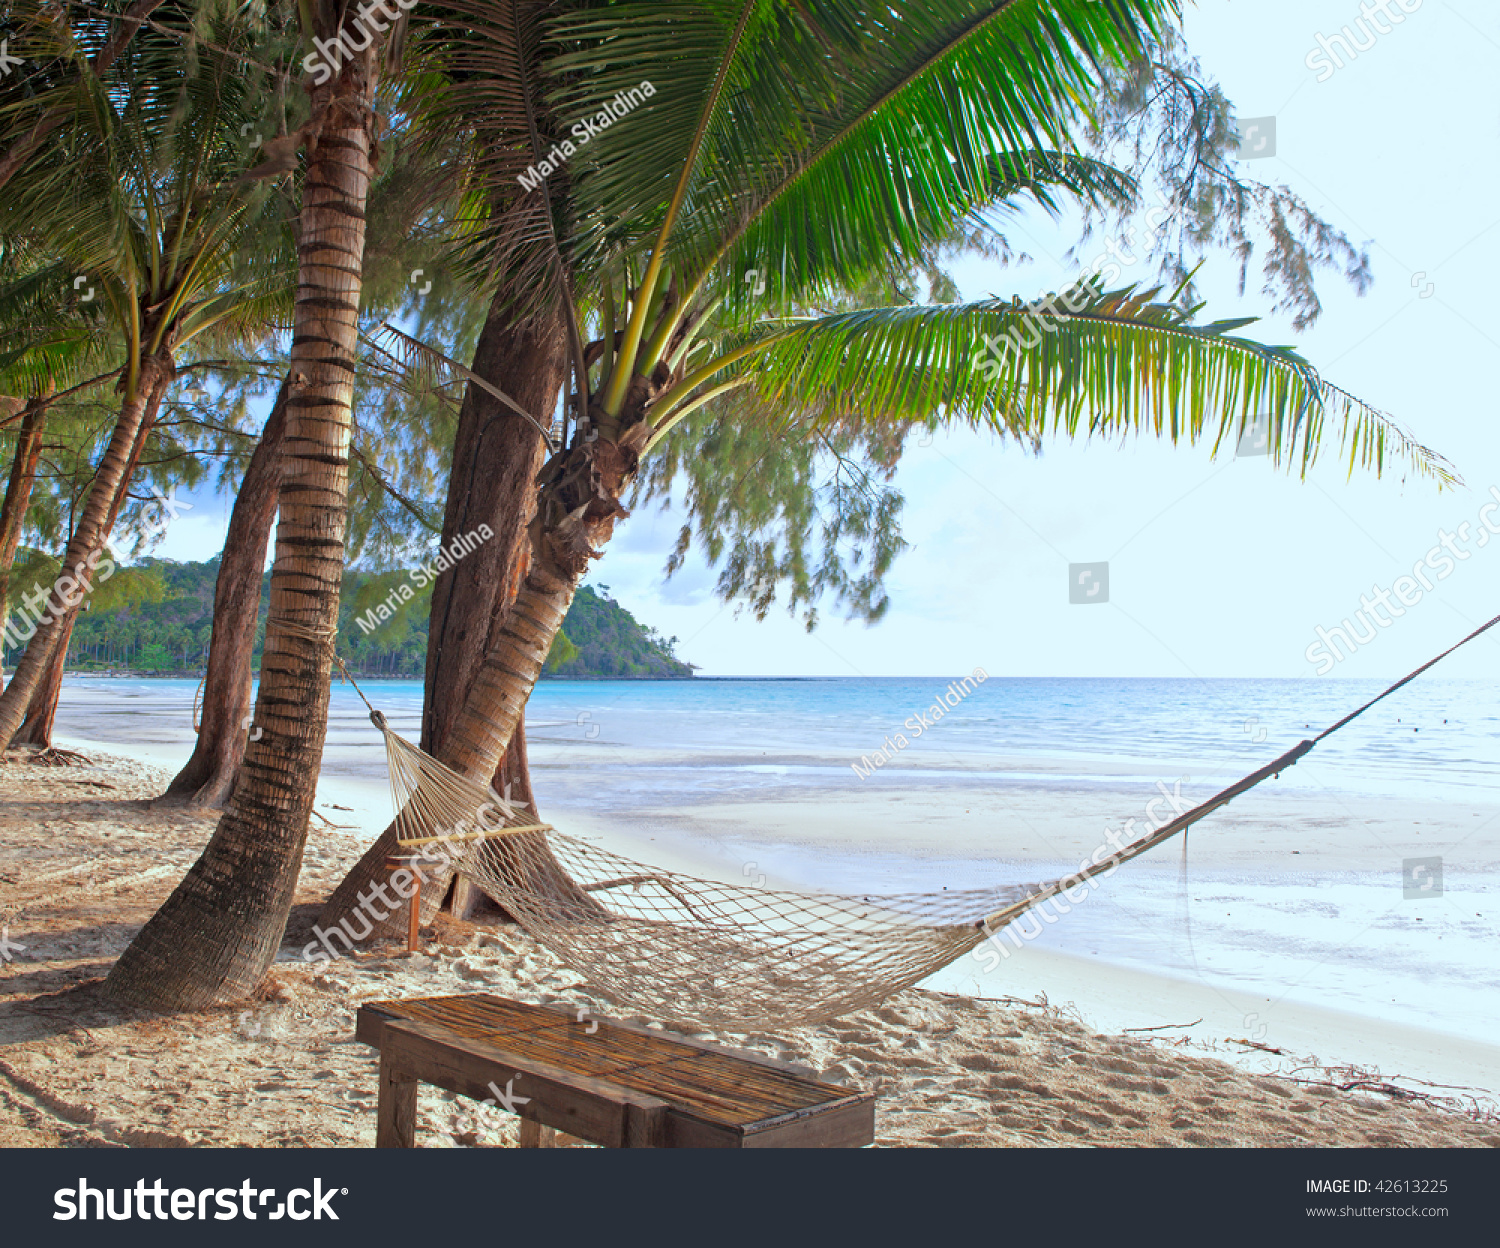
x: 1282, y: 936
x: 83, y: 863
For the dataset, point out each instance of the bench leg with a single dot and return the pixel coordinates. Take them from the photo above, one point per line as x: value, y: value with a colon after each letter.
x: 465, y: 895
x: 396, y: 1112
x: 535, y: 1135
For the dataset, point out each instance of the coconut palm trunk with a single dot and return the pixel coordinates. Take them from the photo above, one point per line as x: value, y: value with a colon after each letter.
x: 496, y: 456
x: 18, y: 490
x: 216, y: 936
x: 208, y: 776
x: 41, y: 714
x: 85, y: 548
x: 576, y: 513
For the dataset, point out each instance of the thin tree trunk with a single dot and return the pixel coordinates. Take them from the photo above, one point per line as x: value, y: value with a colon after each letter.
x: 18, y: 495
x: 497, y: 698
x: 220, y: 930
x: 36, y: 728
x: 82, y: 560
x: 209, y: 774
x: 18, y: 489
x: 496, y: 455
x: 41, y: 714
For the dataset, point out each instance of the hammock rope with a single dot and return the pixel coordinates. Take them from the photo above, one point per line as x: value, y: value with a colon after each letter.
x: 703, y: 953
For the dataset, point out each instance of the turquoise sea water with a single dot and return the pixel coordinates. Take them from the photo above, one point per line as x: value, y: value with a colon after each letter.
x: 1433, y: 739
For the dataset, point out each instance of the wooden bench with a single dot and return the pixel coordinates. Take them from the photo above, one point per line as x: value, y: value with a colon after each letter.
x: 604, y: 1081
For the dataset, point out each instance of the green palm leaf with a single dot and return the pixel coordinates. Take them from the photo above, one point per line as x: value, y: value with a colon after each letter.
x: 1087, y: 362
x: 841, y: 133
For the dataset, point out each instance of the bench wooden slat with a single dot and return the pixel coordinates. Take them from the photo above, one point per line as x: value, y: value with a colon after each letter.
x: 617, y: 1084
x: 500, y: 1017
x: 470, y: 1014
x: 577, y: 1104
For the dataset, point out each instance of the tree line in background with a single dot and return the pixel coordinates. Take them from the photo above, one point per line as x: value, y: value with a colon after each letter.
x: 159, y: 619
x: 348, y: 295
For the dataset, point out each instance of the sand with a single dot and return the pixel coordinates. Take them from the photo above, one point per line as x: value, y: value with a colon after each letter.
x: 83, y: 864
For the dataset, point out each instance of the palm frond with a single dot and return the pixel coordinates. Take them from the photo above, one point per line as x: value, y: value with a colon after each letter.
x: 846, y: 131
x: 1088, y: 361
x: 417, y: 359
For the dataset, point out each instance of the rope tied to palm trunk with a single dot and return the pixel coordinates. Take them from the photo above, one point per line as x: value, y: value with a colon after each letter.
x: 703, y: 953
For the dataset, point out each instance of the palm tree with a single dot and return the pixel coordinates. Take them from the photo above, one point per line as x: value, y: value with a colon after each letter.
x: 23, y: 143
x: 18, y: 489
x: 56, y: 357
x: 219, y: 930
x: 528, y: 344
x: 206, y: 778
x: 409, y: 419
x: 817, y: 149
x: 136, y: 196
x: 809, y: 143
x: 813, y: 174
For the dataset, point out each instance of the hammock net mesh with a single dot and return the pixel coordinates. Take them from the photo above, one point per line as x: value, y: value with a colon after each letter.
x: 708, y: 954
x: 683, y: 949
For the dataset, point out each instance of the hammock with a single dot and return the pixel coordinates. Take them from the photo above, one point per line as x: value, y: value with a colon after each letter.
x: 706, y: 954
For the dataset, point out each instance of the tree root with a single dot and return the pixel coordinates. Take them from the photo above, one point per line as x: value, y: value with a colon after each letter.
x: 50, y: 756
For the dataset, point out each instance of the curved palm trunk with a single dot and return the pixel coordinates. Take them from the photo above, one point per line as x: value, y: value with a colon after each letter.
x: 208, y: 776
x: 497, y: 698
x: 18, y: 491
x: 36, y: 728
x: 86, y: 546
x: 496, y: 456
x: 41, y: 714
x: 216, y: 936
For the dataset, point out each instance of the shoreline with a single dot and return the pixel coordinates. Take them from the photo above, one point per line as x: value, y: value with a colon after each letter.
x: 1109, y: 994
x: 90, y: 863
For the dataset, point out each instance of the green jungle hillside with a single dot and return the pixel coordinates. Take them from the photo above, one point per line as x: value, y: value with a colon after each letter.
x: 157, y: 616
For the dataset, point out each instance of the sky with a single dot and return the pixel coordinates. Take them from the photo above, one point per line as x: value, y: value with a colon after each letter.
x: 1216, y: 567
